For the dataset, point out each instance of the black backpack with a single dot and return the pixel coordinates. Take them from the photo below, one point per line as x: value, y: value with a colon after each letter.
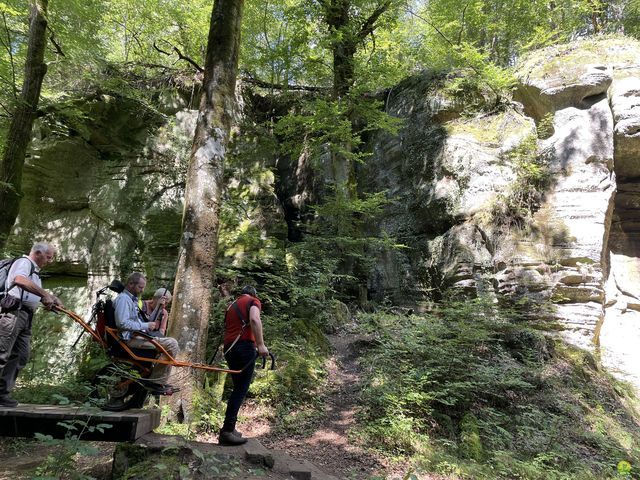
x: 9, y: 303
x: 5, y: 266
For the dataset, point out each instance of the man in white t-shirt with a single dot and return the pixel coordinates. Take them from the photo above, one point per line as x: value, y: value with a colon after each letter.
x: 23, y: 282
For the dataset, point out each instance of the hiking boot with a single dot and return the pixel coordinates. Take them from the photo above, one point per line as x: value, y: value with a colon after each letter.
x: 7, y: 401
x: 230, y: 438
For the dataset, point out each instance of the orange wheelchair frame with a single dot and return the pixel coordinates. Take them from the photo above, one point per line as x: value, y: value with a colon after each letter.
x: 127, y: 389
x: 113, y: 333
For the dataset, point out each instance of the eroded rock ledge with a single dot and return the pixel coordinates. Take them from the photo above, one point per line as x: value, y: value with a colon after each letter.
x: 580, y: 254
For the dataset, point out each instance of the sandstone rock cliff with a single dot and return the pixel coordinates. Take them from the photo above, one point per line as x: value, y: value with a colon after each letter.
x: 109, y: 191
x: 577, y: 256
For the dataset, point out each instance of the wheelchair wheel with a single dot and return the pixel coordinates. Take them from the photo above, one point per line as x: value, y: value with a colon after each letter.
x: 115, y: 388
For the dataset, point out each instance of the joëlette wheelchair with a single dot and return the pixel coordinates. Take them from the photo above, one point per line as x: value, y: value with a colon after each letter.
x: 125, y: 383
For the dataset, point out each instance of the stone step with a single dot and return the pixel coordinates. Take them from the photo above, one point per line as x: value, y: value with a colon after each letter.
x: 277, y: 462
x: 256, y: 453
x: 297, y: 469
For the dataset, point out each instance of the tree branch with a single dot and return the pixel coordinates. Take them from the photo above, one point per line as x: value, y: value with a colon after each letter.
x: 5, y: 80
x: 369, y: 24
x: 156, y: 47
x: 184, y: 57
x: 180, y: 55
x: 162, y: 191
x: 14, y: 88
x: 464, y: 11
x: 412, y: 13
x: 133, y: 34
x: 264, y: 26
x: 52, y: 37
x: 151, y: 65
x: 8, y: 115
x: 248, y: 78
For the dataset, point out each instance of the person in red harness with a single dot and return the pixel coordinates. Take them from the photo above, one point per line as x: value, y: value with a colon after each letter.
x: 242, y: 338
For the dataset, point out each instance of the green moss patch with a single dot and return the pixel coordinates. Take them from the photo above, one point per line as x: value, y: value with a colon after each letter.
x: 564, y: 64
x: 490, y: 129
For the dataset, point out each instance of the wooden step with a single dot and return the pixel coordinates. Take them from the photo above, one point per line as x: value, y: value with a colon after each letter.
x: 88, y: 423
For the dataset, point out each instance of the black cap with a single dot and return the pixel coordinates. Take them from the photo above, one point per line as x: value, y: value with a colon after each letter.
x: 249, y: 290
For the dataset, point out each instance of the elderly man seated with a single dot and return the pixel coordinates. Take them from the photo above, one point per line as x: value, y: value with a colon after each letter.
x: 128, y: 321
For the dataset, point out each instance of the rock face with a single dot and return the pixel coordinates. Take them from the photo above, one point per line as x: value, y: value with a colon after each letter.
x: 602, y: 217
x: 620, y: 333
x: 576, y: 207
x: 438, y: 176
x: 107, y: 190
x: 578, y: 254
x: 452, y: 182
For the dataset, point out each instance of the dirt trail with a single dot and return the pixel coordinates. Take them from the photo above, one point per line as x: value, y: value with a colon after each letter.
x: 327, y: 444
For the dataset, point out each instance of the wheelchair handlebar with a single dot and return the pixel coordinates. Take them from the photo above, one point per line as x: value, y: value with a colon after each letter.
x: 264, y: 361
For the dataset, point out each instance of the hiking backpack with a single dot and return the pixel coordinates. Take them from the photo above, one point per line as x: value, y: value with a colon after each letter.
x: 7, y: 303
x: 5, y: 266
x: 106, y: 317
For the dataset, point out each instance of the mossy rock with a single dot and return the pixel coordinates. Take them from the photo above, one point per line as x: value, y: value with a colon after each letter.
x: 141, y: 462
x: 493, y: 129
x: 565, y: 63
x: 338, y: 315
x: 566, y: 75
x: 311, y: 332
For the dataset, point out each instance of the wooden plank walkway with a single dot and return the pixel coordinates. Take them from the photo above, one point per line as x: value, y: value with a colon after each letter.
x: 25, y: 420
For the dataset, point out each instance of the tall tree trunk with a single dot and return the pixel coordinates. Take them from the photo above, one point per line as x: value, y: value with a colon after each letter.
x: 22, y: 121
x: 343, y: 49
x: 343, y: 45
x: 348, y: 30
x: 199, y: 242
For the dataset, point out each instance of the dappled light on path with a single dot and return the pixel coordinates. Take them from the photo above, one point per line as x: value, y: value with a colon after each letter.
x: 325, y: 442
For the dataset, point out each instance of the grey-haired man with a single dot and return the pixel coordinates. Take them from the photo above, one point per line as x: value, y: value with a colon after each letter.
x: 127, y: 316
x: 23, y: 282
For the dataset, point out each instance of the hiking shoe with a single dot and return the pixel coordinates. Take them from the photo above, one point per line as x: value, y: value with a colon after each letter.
x: 7, y: 401
x: 230, y: 438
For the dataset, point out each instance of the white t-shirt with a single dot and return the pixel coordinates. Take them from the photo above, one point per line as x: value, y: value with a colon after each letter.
x: 23, y: 266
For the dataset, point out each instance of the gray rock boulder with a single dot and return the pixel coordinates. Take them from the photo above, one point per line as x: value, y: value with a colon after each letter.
x: 573, y: 86
x: 577, y: 251
x: 625, y: 103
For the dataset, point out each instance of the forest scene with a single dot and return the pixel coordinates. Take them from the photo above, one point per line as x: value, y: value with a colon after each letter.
x: 430, y: 206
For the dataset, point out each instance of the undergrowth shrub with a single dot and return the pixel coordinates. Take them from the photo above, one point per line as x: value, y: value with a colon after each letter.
x: 477, y: 84
x: 473, y: 389
x: 523, y: 197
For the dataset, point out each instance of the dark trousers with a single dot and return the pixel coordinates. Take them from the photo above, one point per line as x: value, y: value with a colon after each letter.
x: 242, y: 353
x: 15, y: 340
